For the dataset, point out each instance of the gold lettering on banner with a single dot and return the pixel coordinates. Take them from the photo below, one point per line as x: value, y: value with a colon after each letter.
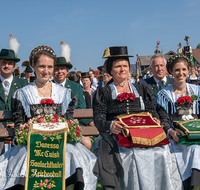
x: 47, y: 154
x: 39, y: 144
x: 41, y: 173
x: 46, y: 164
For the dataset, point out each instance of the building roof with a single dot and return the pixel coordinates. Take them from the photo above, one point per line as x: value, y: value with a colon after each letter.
x: 196, y: 54
x: 144, y: 60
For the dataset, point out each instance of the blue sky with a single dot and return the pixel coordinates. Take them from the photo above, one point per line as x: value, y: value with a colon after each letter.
x: 91, y: 26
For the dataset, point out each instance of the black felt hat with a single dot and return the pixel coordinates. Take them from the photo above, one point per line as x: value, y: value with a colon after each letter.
x: 116, y: 51
x: 85, y: 75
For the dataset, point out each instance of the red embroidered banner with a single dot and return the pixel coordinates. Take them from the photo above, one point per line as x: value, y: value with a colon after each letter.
x: 141, y: 130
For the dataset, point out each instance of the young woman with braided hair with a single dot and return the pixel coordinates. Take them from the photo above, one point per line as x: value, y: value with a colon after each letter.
x: 26, y: 104
x: 180, y: 102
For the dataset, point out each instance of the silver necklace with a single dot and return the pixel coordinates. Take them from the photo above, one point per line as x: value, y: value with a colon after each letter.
x: 42, y: 84
x: 180, y: 88
x: 121, y: 83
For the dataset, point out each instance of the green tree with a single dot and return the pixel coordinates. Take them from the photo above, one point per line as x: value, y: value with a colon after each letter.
x: 198, y: 46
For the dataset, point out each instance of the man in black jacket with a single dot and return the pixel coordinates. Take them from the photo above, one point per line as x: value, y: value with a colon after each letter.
x: 159, y: 79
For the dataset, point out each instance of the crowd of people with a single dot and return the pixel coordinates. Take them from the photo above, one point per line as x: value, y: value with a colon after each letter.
x: 171, y: 166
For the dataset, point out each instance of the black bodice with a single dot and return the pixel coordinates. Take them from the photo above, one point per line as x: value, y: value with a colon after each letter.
x: 105, y: 109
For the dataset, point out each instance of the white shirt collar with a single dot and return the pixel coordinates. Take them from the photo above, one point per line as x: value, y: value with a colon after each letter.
x: 157, y: 81
x: 9, y: 79
x: 63, y: 83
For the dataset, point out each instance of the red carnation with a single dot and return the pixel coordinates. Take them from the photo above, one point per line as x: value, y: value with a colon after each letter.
x: 77, y: 133
x: 42, y: 102
x: 188, y: 99
x: 49, y: 186
x: 40, y: 120
x: 125, y: 96
x: 41, y: 184
x: 26, y: 127
x: 132, y: 96
x: 46, y: 180
x: 68, y: 121
x: 54, y: 120
x: 47, y: 101
x: 183, y: 99
x: 55, y: 116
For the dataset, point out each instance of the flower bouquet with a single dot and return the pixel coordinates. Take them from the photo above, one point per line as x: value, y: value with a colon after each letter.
x: 125, y: 96
x: 49, y: 122
x: 184, y: 106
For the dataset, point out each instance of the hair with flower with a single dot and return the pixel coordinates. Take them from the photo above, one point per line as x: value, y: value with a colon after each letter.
x: 178, y: 58
x: 41, y: 50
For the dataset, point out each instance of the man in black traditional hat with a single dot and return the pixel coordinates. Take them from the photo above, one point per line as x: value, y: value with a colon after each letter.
x: 8, y: 83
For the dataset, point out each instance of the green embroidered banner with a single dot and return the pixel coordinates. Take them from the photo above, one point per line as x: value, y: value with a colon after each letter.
x: 46, y: 159
x: 189, y: 131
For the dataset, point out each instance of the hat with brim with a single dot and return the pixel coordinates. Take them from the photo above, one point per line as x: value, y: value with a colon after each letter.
x: 62, y: 61
x: 73, y: 76
x: 28, y: 69
x: 104, y: 65
x: 116, y: 51
x: 85, y: 75
x: 8, y: 54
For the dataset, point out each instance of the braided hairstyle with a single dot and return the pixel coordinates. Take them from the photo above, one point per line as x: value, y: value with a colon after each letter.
x: 176, y: 59
x: 41, y: 50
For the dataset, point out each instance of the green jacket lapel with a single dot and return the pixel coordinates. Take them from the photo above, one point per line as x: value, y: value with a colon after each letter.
x: 154, y: 87
x: 67, y: 85
x: 13, y: 88
x: 2, y: 95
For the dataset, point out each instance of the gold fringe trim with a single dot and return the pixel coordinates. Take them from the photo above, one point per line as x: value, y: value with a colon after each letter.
x: 150, y: 142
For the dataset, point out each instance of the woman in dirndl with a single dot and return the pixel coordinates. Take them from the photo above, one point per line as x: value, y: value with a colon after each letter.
x: 180, y: 102
x: 26, y: 104
x: 134, y: 168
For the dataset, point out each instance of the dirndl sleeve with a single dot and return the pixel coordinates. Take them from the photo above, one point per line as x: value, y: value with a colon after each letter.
x: 19, y: 116
x: 100, y: 110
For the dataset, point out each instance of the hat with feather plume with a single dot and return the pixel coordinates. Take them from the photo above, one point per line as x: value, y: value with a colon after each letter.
x: 64, y: 58
x: 11, y: 53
